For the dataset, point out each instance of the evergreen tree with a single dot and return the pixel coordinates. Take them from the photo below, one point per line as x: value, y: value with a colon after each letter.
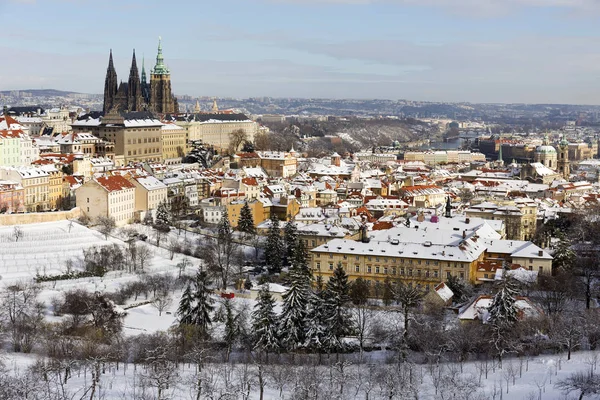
x: 203, y: 303
x: 148, y: 218
x: 563, y: 256
x: 503, y: 315
x: 265, y: 322
x: 337, y: 318
x: 184, y: 311
x: 290, y: 238
x: 388, y: 292
x: 503, y: 311
x: 316, y: 325
x: 232, y: 328
x: 246, y: 221
x: 292, y: 320
x: 224, y: 228
x: 274, y: 249
x: 300, y: 260
x: 163, y: 217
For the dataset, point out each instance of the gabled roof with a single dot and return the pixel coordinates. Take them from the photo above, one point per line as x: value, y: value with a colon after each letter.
x: 114, y: 183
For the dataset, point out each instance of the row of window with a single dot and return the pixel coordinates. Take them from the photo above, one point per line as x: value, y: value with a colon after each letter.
x: 394, y: 271
x: 146, y: 151
x: 146, y: 140
x: 394, y: 260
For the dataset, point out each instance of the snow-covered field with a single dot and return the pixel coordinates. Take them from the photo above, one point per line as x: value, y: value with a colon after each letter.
x: 534, y: 379
x: 45, y: 248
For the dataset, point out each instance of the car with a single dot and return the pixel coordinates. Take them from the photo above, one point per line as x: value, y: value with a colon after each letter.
x: 143, y: 237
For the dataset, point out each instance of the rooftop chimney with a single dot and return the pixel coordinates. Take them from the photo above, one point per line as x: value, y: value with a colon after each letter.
x: 468, y: 220
x: 465, y: 234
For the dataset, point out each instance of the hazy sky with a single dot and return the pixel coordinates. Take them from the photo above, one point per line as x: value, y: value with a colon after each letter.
x: 543, y: 51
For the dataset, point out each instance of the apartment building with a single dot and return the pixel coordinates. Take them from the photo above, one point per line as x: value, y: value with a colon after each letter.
x: 149, y: 193
x: 174, y: 143
x: 425, y: 253
x: 35, y: 183
x: 108, y: 196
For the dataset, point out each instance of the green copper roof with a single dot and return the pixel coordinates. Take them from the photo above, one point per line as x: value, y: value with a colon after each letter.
x: 160, y: 68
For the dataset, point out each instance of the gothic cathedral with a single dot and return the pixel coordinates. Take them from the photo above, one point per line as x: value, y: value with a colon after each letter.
x: 136, y: 94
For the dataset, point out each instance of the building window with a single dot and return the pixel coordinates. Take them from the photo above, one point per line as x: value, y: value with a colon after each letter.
x: 357, y: 268
x: 368, y: 269
x: 448, y: 274
x: 435, y: 274
x: 376, y: 270
x: 401, y: 271
x: 541, y: 270
x: 410, y: 272
x: 331, y: 266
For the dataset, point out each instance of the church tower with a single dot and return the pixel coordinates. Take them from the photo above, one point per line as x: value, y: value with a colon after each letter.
x: 563, y: 159
x: 145, y: 86
x: 134, y: 88
x: 162, y: 100
x: 110, y: 85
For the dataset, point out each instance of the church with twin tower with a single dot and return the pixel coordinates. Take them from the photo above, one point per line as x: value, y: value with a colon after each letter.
x: 137, y: 94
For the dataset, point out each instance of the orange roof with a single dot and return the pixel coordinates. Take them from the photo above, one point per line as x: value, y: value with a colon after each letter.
x: 250, y: 181
x: 114, y: 183
x: 382, y: 225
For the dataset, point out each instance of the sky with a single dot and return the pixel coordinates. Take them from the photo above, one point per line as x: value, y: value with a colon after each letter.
x: 507, y: 51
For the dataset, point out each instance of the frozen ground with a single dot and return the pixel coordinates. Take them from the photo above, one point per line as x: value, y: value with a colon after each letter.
x: 535, y: 381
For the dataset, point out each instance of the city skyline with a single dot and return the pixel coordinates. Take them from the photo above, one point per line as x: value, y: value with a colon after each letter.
x: 523, y: 51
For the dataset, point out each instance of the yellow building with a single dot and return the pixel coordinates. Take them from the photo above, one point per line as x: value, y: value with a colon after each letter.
x: 35, y: 183
x: 149, y: 193
x: 260, y: 213
x: 215, y: 129
x: 519, y: 216
x: 174, y: 145
x: 426, y: 253
x: 55, y: 186
x: 136, y: 136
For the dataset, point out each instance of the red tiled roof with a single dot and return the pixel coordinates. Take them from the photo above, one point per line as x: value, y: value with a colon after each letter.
x: 114, y: 183
x: 382, y: 225
x: 250, y: 181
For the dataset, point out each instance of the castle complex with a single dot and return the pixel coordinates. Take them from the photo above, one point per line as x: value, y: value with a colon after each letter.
x: 136, y: 94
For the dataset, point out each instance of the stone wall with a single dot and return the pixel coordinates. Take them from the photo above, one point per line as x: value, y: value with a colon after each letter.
x: 33, y: 218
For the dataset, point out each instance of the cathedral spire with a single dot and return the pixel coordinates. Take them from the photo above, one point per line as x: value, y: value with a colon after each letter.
x: 110, y: 84
x: 134, y: 89
x: 160, y: 67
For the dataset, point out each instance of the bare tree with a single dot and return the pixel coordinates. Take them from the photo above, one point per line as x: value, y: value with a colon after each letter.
x: 106, y: 225
x: 582, y: 382
x: 144, y: 255
x: 174, y: 247
x: 222, y: 256
x: 17, y: 233
x: 162, y: 301
x: 236, y: 138
x: 182, y: 265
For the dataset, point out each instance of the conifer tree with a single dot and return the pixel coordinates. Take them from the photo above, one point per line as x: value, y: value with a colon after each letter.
x: 300, y: 259
x: 246, y: 221
x: 503, y: 310
x: 203, y: 303
x: 292, y: 320
x: 337, y: 318
x: 315, y: 321
x: 274, y: 247
x: 563, y: 256
x: 232, y: 329
x: 163, y: 217
x: 148, y: 218
x: 224, y: 228
x: 265, y: 322
x: 290, y: 238
x: 503, y: 315
x: 184, y: 311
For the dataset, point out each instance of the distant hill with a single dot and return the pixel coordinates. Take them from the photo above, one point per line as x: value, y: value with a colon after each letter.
x: 43, y: 92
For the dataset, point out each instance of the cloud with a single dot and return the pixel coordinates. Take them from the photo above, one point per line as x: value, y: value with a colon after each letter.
x: 487, y: 8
